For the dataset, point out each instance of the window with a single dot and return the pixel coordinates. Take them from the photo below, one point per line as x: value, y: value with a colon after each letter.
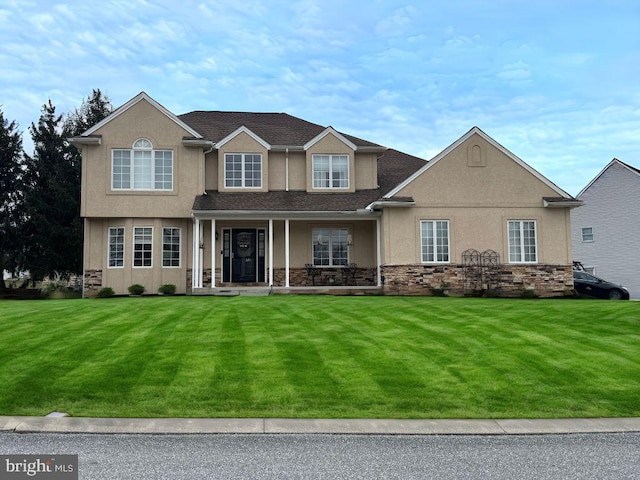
x: 142, y: 168
x: 522, y: 241
x: 170, y: 247
x: 330, y: 246
x: 587, y: 234
x: 116, y: 247
x: 243, y: 170
x: 330, y: 171
x: 434, y: 236
x: 142, y: 246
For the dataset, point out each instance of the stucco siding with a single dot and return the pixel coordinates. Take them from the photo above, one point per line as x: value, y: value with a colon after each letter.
x: 612, y: 209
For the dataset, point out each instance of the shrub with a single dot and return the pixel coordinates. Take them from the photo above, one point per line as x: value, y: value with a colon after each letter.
x: 529, y: 293
x: 136, y: 289
x: 105, y: 292
x: 167, y: 289
x: 441, y: 291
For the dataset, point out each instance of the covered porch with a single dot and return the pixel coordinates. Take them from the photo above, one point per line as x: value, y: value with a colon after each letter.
x: 300, y: 252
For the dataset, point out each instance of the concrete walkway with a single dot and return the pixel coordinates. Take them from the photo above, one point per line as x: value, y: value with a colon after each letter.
x: 58, y: 424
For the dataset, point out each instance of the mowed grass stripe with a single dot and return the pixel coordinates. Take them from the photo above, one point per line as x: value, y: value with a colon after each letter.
x: 320, y: 356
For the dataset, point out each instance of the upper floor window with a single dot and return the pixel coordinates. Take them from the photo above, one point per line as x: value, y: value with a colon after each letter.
x: 142, y: 168
x: 522, y: 241
x: 243, y: 170
x: 330, y: 171
x: 587, y: 234
x: 434, y: 235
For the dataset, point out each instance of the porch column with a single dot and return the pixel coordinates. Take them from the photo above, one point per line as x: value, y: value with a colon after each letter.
x: 214, y: 252
x: 378, y: 251
x: 271, y: 252
x: 195, y: 268
x: 286, y: 253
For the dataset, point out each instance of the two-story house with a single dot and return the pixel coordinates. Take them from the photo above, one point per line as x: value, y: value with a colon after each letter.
x: 210, y: 200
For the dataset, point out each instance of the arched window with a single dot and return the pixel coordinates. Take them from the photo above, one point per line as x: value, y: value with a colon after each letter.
x: 142, y: 167
x: 142, y: 144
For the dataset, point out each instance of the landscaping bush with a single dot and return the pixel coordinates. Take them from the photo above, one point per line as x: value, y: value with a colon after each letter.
x: 167, y: 289
x: 136, y: 289
x: 106, y: 292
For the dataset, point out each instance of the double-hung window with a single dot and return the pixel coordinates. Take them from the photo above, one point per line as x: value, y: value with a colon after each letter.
x: 522, y: 241
x: 116, y: 247
x: 243, y: 170
x: 170, y: 247
x: 587, y: 234
x: 142, y: 168
x: 330, y: 246
x: 330, y: 171
x: 434, y: 235
x: 143, y: 246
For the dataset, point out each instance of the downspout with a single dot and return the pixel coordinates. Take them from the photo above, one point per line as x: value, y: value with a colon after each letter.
x: 286, y: 169
x: 204, y: 168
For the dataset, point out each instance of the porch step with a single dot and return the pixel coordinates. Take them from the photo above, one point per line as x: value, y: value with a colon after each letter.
x: 233, y: 292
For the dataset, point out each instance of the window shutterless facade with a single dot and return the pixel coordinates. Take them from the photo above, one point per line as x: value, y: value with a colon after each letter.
x: 330, y: 171
x: 434, y: 236
x: 116, y: 247
x: 143, y: 246
x: 522, y: 241
x: 171, y: 247
x: 587, y: 234
x: 141, y: 168
x: 243, y: 170
x: 330, y: 246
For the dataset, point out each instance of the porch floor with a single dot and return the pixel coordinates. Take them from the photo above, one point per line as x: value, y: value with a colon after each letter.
x: 232, y: 291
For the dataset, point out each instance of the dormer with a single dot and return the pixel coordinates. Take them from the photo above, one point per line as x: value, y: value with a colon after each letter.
x: 330, y: 160
x: 243, y: 162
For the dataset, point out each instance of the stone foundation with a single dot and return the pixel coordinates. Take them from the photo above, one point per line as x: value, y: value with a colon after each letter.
x: 91, y: 282
x: 502, y: 281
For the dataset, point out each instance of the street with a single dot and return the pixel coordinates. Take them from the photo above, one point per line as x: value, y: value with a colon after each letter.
x: 140, y: 457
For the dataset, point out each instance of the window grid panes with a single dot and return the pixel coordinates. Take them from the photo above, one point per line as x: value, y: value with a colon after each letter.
x: 435, y: 241
x: 330, y: 171
x: 142, y: 168
x: 522, y: 241
x: 116, y: 247
x: 170, y: 247
x: 330, y: 246
x: 243, y: 170
x: 142, y: 246
x: 587, y: 234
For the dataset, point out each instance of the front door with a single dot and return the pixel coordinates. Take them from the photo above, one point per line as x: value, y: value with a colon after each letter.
x: 243, y: 255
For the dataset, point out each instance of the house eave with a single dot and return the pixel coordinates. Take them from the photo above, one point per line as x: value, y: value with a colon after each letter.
x: 283, y: 215
x: 197, y: 142
x: 391, y: 204
x: 562, y: 203
x: 88, y: 140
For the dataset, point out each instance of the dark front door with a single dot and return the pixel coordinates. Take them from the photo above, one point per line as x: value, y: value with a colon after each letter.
x: 243, y: 255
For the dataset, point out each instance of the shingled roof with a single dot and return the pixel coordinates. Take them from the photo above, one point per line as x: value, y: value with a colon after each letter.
x: 393, y: 168
x: 275, y: 128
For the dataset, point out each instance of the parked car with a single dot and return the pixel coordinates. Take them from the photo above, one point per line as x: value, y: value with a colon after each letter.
x: 586, y: 284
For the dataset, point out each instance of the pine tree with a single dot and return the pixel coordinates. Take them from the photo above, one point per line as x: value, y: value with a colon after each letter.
x: 93, y: 110
x: 10, y: 161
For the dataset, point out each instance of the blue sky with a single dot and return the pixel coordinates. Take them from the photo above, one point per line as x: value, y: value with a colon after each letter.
x: 554, y: 81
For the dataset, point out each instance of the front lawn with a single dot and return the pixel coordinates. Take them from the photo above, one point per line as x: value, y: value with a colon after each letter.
x: 320, y: 356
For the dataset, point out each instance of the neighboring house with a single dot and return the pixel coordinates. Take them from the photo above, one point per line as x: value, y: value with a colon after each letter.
x: 213, y: 200
x: 606, y: 230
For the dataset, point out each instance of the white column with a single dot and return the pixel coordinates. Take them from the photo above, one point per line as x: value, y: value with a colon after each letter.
x: 200, y: 255
x: 214, y: 253
x: 286, y: 253
x: 270, y: 252
x: 194, y: 255
x: 378, y: 251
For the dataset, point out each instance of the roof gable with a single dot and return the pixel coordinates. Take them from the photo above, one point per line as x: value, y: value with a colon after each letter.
x: 329, y: 131
x: 491, y: 141
x: 142, y: 96
x: 237, y: 132
x: 613, y: 162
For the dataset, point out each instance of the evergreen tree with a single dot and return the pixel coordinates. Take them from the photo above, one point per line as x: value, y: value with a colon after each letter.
x: 52, y: 231
x: 93, y: 110
x: 10, y: 161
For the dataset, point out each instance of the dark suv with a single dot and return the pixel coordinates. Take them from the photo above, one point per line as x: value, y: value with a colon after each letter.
x: 586, y: 284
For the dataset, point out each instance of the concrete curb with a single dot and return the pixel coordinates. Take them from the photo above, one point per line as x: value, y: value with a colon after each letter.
x: 169, y: 426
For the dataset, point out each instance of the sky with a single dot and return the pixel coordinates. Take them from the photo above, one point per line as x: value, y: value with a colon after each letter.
x: 556, y: 82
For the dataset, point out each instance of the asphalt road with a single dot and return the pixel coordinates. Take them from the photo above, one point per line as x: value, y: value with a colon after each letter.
x: 140, y: 457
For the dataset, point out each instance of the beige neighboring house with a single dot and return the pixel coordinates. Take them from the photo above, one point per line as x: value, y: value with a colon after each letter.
x: 210, y: 201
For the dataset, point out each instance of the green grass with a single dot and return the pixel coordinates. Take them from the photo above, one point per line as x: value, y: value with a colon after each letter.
x: 308, y: 356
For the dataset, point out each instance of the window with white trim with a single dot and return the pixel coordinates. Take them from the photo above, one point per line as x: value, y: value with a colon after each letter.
x: 243, y: 170
x: 330, y: 171
x: 143, y: 246
x: 434, y: 235
x: 587, y: 234
x: 116, y: 247
x: 522, y: 241
x: 141, y: 167
x: 330, y: 246
x: 171, y: 247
